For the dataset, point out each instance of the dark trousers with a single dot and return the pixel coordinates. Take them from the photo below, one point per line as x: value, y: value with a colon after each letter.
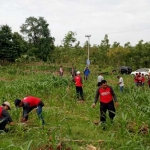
x: 111, y: 110
x: 79, y: 91
x: 85, y: 77
x: 3, y: 122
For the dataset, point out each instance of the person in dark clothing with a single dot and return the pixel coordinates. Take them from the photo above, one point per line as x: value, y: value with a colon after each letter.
x: 107, y: 99
x: 29, y: 103
x: 73, y: 72
x: 5, y: 118
x: 78, y: 83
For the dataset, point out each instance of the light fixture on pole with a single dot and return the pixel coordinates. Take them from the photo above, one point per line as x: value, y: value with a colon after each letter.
x: 88, y: 60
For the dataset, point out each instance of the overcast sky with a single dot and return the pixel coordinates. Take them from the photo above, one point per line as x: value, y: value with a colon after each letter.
x: 122, y: 20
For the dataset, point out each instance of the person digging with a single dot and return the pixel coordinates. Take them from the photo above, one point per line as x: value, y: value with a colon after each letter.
x: 29, y: 103
x: 5, y: 117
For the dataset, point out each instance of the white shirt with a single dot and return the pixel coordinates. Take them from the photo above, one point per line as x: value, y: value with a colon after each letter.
x: 121, y: 81
x: 100, y: 78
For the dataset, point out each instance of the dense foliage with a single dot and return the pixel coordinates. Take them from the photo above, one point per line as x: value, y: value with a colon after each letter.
x: 36, y: 43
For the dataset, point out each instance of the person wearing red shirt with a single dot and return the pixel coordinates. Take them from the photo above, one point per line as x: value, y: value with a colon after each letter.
x: 78, y: 83
x: 107, y: 98
x: 5, y: 117
x: 136, y: 79
x: 143, y: 79
x: 28, y: 104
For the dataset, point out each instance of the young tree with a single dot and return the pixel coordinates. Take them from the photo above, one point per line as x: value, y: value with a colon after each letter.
x: 69, y: 39
x: 104, y: 46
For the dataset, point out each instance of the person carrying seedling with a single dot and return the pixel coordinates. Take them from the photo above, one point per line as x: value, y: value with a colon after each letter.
x: 107, y: 99
x: 78, y: 83
x: 5, y: 117
x: 29, y: 103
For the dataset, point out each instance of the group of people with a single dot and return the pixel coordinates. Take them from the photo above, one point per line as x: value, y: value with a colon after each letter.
x: 28, y: 104
x: 104, y: 93
x: 139, y: 79
x: 74, y: 73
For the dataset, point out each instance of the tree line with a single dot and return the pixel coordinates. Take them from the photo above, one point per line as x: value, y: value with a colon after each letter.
x: 36, y: 43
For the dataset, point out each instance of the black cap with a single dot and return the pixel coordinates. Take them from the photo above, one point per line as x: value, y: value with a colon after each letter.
x: 17, y: 102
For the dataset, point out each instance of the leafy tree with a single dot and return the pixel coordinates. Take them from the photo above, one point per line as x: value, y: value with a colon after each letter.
x: 104, y: 46
x: 127, y: 45
x: 69, y: 39
x: 141, y: 53
x: 120, y: 54
x: 115, y: 44
x: 7, y: 51
x: 19, y: 44
x: 38, y: 36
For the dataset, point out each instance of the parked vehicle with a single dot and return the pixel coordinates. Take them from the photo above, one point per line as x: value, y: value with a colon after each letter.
x: 144, y: 71
x: 125, y: 70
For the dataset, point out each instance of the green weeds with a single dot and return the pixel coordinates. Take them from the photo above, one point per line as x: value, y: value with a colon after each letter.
x: 68, y: 121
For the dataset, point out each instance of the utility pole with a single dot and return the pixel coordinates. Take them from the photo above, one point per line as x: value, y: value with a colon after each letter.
x: 88, y: 60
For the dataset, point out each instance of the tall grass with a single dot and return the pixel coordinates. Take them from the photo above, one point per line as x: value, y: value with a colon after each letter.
x: 68, y: 121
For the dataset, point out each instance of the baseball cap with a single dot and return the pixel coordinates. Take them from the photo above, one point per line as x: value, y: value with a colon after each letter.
x: 78, y: 72
x: 7, y: 104
x: 17, y: 102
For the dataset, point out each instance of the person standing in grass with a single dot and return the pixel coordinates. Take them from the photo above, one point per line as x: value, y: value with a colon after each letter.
x: 86, y: 73
x: 29, y: 103
x: 61, y: 71
x: 120, y: 83
x: 78, y: 83
x: 73, y: 72
x: 107, y: 98
x: 99, y: 79
x: 5, y: 118
x: 136, y: 79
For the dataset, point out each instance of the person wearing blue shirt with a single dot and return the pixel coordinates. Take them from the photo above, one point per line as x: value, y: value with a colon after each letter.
x: 86, y: 73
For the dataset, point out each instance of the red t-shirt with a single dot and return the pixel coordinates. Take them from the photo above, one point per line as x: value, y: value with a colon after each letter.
x: 77, y: 80
x: 105, y: 95
x: 32, y: 101
x: 1, y: 111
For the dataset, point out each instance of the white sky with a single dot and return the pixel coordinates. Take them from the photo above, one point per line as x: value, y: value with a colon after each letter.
x: 122, y: 20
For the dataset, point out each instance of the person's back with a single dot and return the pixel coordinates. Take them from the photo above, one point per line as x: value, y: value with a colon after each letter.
x: 86, y: 73
x: 99, y: 79
x: 32, y: 101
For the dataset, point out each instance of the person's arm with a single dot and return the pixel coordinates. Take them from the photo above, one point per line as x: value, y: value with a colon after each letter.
x: 114, y: 96
x: 96, y: 98
x: 6, y: 114
x: 26, y: 110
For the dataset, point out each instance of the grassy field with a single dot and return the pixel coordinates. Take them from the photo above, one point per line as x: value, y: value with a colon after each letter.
x: 70, y: 124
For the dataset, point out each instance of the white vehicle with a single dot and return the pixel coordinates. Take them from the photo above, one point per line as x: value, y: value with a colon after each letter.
x: 144, y: 71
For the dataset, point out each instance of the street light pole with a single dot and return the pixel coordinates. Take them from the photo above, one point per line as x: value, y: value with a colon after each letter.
x: 88, y: 43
